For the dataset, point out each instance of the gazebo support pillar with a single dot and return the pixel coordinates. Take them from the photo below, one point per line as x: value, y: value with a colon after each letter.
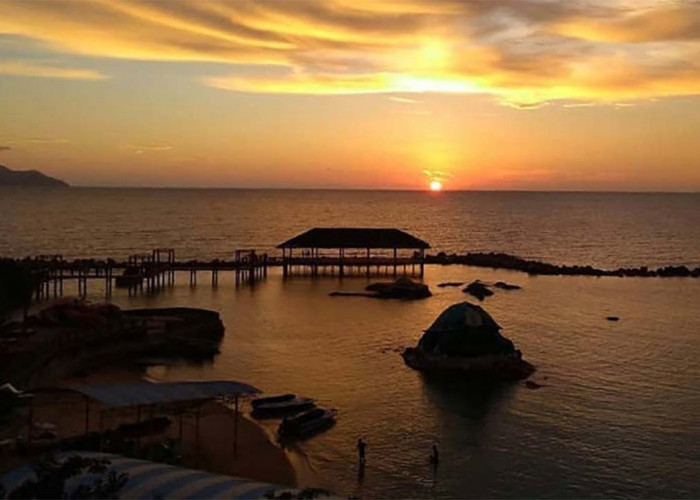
x: 87, y: 414
x: 235, y: 427
x: 368, y: 262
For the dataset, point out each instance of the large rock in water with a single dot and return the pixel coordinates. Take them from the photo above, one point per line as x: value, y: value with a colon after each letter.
x: 403, y: 288
x: 465, y: 339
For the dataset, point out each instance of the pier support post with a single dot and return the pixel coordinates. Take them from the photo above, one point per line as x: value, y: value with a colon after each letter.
x: 196, y: 437
x: 87, y: 415
x: 368, y: 262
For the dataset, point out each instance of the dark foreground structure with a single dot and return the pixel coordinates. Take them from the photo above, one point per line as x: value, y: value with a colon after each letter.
x: 353, y: 250
x: 145, y: 479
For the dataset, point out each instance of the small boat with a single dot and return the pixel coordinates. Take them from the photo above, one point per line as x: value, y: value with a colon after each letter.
x: 280, y: 405
x: 273, y: 399
x: 306, y: 424
x: 130, y: 277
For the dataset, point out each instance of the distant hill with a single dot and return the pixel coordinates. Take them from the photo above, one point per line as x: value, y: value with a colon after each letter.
x: 27, y: 178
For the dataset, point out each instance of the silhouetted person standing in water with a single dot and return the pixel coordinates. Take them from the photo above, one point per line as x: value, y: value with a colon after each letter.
x: 361, y: 447
x: 435, y: 457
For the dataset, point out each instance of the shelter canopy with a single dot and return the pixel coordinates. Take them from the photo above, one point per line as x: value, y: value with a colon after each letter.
x: 350, y: 237
x: 155, y: 480
x: 145, y: 393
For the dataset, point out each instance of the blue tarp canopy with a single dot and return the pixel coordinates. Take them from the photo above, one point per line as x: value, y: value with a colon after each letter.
x: 146, y: 393
x: 154, y: 480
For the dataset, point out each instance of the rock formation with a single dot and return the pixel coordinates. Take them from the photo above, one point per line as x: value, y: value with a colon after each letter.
x: 466, y: 340
x: 478, y: 289
x: 402, y: 288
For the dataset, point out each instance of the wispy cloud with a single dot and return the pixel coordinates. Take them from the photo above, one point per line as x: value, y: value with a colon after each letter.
x: 405, y: 100
x: 437, y: 175
x: 43, y: 70
x: 523, y: 53
x: 37, y: 141
x: 149, y: 148
x: 45, y: 140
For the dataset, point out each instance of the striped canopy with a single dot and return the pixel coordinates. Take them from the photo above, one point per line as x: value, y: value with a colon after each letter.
x: 150, y: 480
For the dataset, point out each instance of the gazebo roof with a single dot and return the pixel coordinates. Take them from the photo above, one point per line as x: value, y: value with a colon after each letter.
x: 353, y: 237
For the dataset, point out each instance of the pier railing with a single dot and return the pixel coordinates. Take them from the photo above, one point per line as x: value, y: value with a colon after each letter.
x: 147, y: 272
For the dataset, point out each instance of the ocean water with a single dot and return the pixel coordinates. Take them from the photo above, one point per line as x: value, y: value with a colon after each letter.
x: 617, y: 413
x: 600, y: 229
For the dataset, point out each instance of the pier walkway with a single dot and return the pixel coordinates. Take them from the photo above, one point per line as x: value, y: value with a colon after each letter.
x: 318, y: 251
x: 140, y: 272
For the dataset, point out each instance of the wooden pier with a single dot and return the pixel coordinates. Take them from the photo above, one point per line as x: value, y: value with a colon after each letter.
x: 143, y: 272
x: 319, y: 251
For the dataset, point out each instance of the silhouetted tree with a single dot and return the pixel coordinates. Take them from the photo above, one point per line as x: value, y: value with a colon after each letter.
x: 17, y: 284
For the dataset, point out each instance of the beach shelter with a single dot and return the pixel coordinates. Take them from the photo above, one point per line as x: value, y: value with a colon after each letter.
x: 178, y: 397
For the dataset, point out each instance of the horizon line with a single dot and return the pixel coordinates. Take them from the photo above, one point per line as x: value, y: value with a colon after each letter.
x: 412, y: 190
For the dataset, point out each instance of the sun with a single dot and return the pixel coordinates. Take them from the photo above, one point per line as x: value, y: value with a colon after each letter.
x: 435, y: 185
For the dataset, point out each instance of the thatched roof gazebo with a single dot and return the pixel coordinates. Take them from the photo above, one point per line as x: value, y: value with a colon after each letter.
x: 353, y: 248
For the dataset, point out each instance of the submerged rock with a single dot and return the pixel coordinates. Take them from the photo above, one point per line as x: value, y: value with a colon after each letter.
x: 351, y: 294
x: 402, y: 288
x: 451, y: 283
x: 613, y: 318
x: 506, y: 286
x: 478, y: 289
x: 466, y: 340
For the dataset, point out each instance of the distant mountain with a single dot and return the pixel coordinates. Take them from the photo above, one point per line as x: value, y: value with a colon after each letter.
x: 27, y: 178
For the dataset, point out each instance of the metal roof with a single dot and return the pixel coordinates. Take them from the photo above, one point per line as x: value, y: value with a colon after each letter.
x: 354, y: 237
x: 154, y: 480
x: 146, y: 393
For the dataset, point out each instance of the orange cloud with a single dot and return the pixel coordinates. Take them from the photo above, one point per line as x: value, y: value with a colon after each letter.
x: 42, y: 70
x: 525, y: 54
x: 679, y: 22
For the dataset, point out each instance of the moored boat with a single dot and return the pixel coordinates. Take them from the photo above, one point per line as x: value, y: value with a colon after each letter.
x: 272, y: 399
x: 130, y: 277
x: 306, y: 424
x: 281, y: 405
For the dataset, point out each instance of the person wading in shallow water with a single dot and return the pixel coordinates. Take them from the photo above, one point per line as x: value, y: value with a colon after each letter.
x: 434, y: 457
x: 361, y: 447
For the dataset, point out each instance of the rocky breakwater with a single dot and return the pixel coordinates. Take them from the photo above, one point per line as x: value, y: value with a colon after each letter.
x: 465, y: 341
x: 534, y: 267
x: 73, y: 336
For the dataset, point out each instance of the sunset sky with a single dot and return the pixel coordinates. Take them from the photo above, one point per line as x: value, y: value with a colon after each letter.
x: 498, y: 94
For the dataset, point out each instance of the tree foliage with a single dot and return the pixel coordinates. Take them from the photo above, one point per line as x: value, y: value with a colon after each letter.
x: 17, y: 284
x: 52, y: 475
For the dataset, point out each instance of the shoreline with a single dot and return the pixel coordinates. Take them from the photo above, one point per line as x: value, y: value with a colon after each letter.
x: 112, y: 356
x: 90, y: 338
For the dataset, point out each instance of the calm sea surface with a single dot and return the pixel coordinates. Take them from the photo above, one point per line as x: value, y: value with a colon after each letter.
x: 601, y: 229
x: 617, y: 413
